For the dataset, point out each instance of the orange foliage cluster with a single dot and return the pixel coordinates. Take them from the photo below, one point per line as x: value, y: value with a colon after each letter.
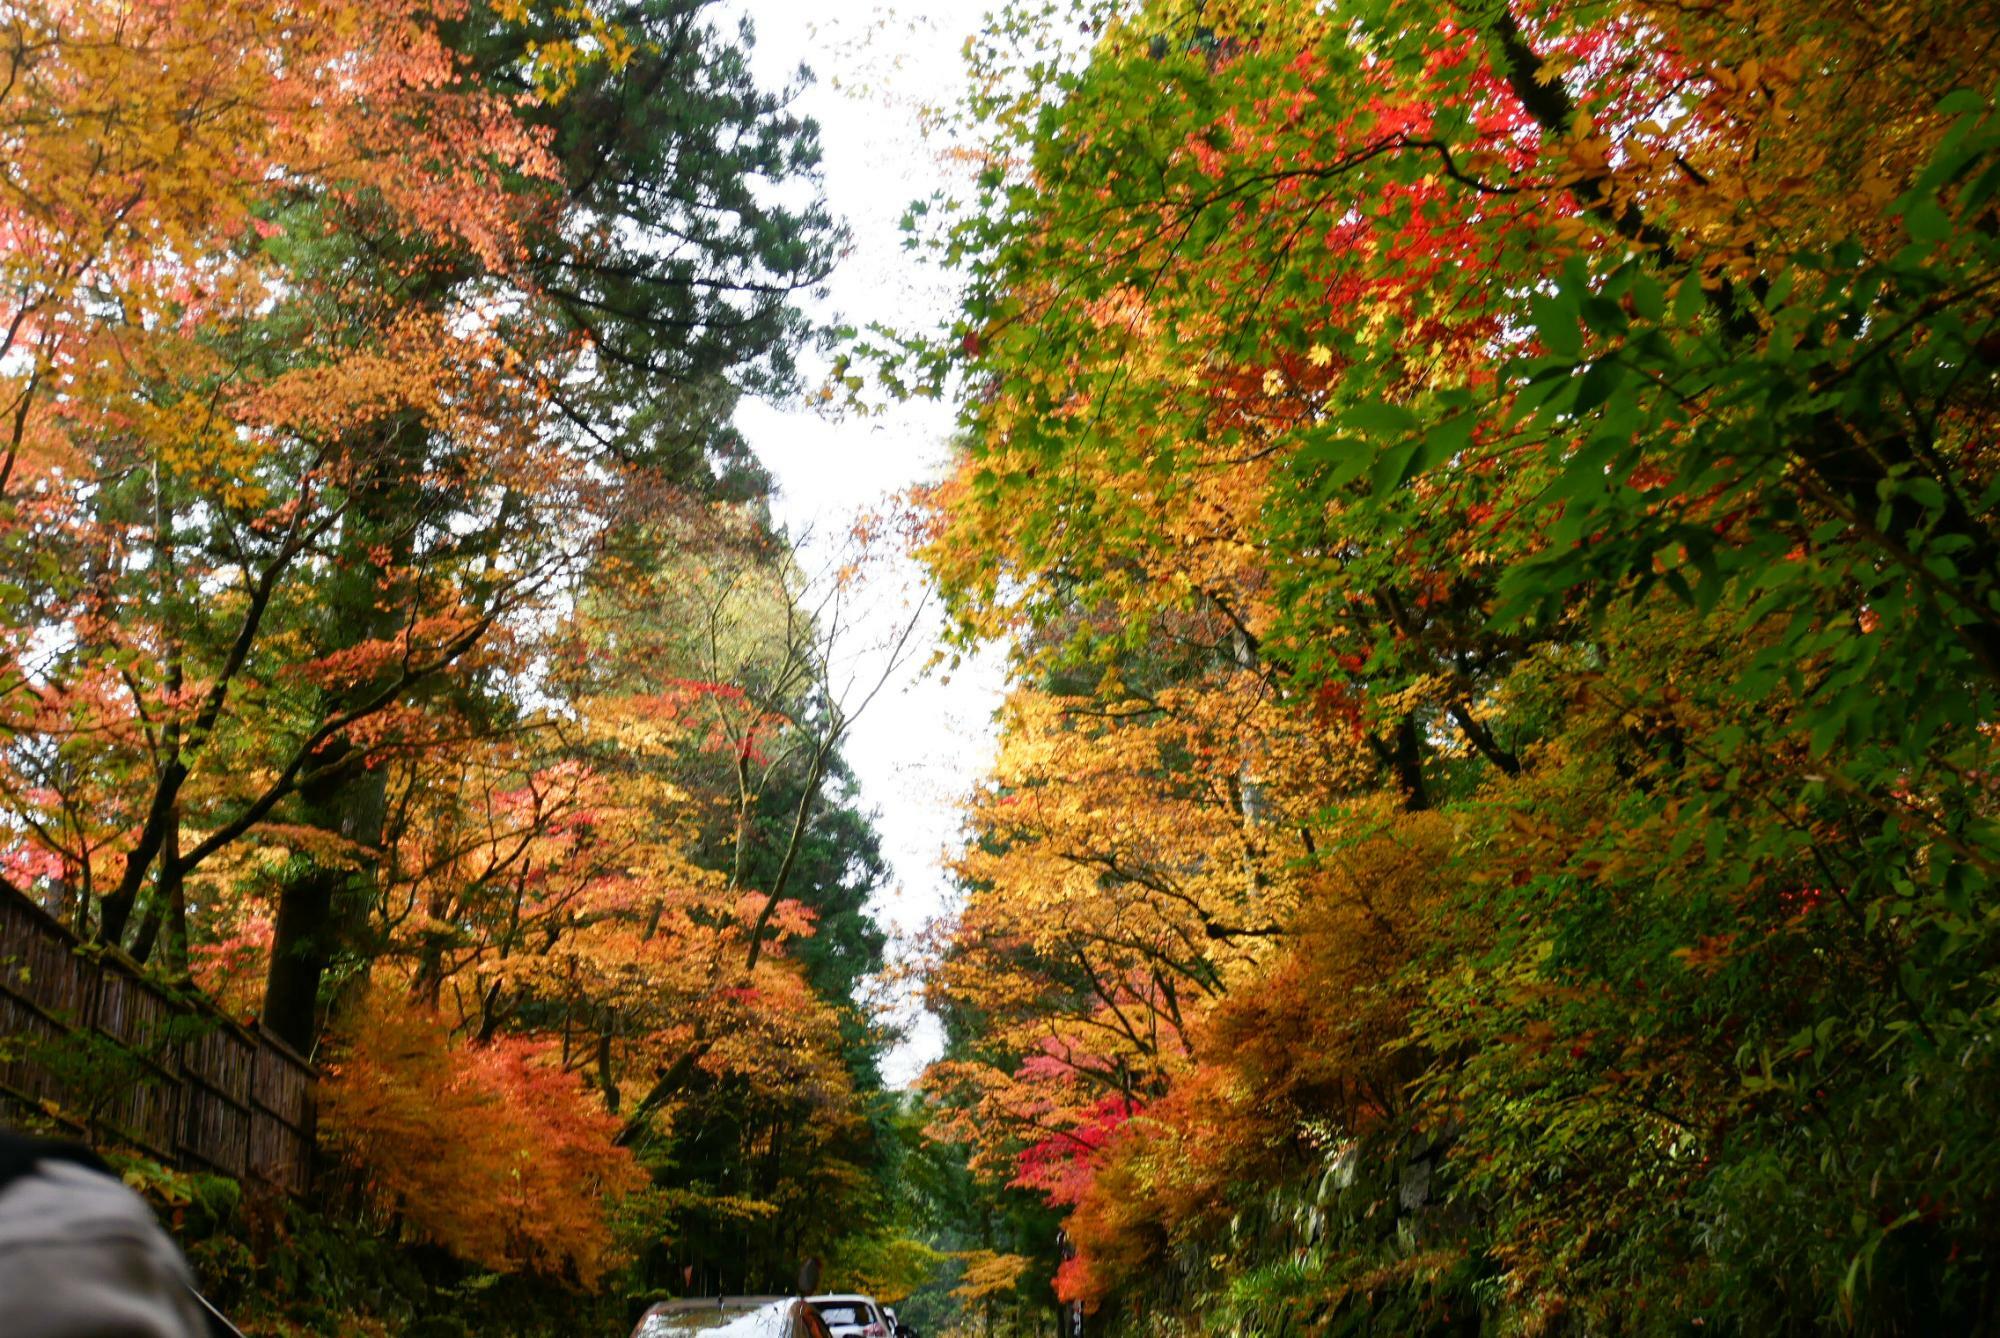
x: 494, y: 1151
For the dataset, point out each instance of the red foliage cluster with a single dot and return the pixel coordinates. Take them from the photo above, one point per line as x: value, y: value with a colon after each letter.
x: 492, y: 1151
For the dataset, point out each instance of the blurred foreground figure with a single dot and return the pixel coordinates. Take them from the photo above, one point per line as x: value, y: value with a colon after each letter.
x: 81, y: 1255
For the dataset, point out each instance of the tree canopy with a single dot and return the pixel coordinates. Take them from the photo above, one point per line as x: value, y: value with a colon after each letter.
x: 1493, y: 508
x: 368, y: 373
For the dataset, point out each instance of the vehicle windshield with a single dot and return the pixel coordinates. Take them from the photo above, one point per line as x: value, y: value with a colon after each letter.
x: 844, y: 1312
x: 766, y: 1321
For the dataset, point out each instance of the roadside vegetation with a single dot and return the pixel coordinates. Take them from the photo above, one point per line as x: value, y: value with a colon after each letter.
x: 1493, y: 505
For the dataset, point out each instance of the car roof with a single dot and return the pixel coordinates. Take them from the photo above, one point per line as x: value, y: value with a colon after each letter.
x: 841, y: 1296
x: 731, y: 1312
x: 697, y: 1304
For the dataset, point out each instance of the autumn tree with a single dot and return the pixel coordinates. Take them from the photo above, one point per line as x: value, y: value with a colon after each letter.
x: 1574, y: 412
x: 357, y: 365
x: 178, y: 458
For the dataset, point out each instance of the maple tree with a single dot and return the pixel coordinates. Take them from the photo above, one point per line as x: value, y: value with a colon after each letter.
x: 365, y: 367
x: 194, y: 482
x: 488, y: 1151
x: 1558, y: 431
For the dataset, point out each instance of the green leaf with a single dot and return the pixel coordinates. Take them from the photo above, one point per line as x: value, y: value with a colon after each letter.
x: 1379, y: 419
x: 1603, y: 378
x: 1689, y: 300
x: 1604, y: 315
x: 1556, y: 323
x: 1927, y: 222
x: 1926, y: 491
x: 1391, y: 468
x: 1341, y: 458
x: 1648, y: 298
x: 1446, y: 439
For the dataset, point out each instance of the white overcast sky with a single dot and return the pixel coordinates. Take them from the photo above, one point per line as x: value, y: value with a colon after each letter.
x: 927, y: 739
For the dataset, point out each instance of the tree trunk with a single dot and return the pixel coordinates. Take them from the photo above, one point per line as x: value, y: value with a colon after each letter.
x: 164, y: 924
x: 322, y: 906
x: 298, y: 958
x: 1403, y: 754
x: 605, y: 1079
